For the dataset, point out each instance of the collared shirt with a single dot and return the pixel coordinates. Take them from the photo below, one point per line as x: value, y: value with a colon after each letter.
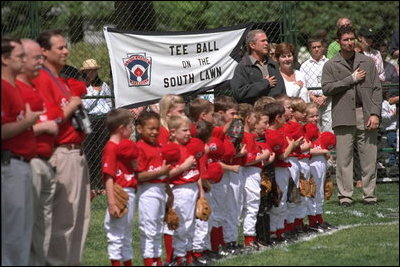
x: 263, y: 66
x: 377, y: 57
x: 312, y: 70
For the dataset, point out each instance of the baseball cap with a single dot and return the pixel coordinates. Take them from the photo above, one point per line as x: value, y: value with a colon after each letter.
x: 294, y: 130
x: 126, y: 152
x: 216, y: 148
x: 195, y: 147
x: 214, y: 172
x: 276, y: 139
x: 171, y: 152
x: 366, y: 32
x: 327, y: 140
x: 311, y: 132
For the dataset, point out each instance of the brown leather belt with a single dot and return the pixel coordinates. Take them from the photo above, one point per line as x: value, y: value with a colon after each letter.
x: 71, y: 146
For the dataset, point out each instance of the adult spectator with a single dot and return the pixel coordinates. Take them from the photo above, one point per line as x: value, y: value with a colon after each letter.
x: 394, y: 44
x: 95, y: 87
x: 312, y: 69
x: 256, y: 74
x: 43, y: 173
x: 351, y: 79
x: 97, y: 109
x: 365, y: 36
x: 391, y: 72
x: 293, y: 79
x: 334, y: 47
x: 71, y: 205
x: 18, y: 146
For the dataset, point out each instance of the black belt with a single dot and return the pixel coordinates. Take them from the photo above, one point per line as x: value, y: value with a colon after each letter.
x: 21, y: 158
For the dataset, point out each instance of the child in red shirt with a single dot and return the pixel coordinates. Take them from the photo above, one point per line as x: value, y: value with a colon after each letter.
x: 118, y: 161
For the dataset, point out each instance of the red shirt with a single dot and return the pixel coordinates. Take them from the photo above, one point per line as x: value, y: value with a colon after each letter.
x: 13, y: 109
x: 163, y: 136
x: 276, y: 140
x: 253, y: 150
x: 45, y: 142
x: 57, y: 93
x: 122, y: 174
x: 294, y: 130
x: 150, y: 159
x: 189, y: 176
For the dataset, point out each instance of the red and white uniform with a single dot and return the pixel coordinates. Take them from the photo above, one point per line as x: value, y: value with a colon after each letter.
x: 119, y: 230
x: 152, y: 200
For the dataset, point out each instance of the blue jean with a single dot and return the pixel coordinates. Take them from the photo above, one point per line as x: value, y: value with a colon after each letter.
x: 392, y: 142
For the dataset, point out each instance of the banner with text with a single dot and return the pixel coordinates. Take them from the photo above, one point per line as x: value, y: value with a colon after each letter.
x: 146, y: 66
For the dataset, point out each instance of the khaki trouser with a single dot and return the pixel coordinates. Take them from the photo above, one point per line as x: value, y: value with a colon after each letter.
x: 44, y: 185
x: 366, y: 141
x: 71, y: 207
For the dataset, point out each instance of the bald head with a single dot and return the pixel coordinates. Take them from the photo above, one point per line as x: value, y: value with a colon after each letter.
x: 34, y: 58
x: 343, y: 22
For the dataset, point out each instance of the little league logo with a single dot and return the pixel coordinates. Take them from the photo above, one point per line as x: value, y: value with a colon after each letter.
x: 138, y: 68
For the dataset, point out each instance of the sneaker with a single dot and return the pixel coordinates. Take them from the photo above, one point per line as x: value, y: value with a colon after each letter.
x: 250, y: 248
x: 201, y: 261
x: 327, y: 226
x: 212, y: 255
x: 317, y: 228
x: 174, y: 262
x: 345, y: 204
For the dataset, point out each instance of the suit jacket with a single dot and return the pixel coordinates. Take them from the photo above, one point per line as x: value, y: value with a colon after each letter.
x: 248, y: 84
x: 338, y: 83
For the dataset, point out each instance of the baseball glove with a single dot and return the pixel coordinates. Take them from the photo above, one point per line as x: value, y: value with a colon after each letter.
x: 304, y: 186
x: 313, y: 186
x: 293, y: 193
x: 266, y: 184
x: 172, y: 219
x: 203, y: 210
x: 328, y: 188
x: 121, y: 199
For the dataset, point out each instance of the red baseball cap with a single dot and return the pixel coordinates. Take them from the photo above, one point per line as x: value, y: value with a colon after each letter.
x: 171, y: 152
x: 195, y: 147
x: 127, y: 151
x: 294, y: 130
x: 327, y: 140
x: 276, y: 139
x: 311, y: 132
x: 214, y: 172
x: 216, y: 149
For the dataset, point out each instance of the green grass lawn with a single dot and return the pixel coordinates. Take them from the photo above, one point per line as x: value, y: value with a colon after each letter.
x: 367, y: 236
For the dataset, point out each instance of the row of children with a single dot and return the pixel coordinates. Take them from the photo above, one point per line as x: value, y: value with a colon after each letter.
x: 177, y: 160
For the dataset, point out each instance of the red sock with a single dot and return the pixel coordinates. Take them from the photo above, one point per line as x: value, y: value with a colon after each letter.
x: 311, y: 220
x: 179, y: 260
x: 189, y: 258
x: 214, y: 236
x: 279, y: 232
x: 249, y: 239
x: 127, y: 263
x: 319, y: 219
x: 299, y: 223
x: 157, y: 261
x: 115, y: 263
x: 221, y: 236
x: 197, y: 254
x: 148, y: 261
x: 169, y: 250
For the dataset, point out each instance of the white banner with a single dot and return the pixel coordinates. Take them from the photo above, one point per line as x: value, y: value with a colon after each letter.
x: 146, y: 66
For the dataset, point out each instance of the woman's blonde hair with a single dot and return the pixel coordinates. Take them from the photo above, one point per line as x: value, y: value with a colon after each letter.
x: 166, y: 103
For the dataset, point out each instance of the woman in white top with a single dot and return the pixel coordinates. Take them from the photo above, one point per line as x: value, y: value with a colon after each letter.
x: 294, y: 79
x: 95, y: 87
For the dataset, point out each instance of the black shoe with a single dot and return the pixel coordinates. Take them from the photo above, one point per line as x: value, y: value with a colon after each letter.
x: 213, y: 256
x: 371, y: 203
x: 327, y: 226
x: 345, y: 204
x: 174, y: 262
x: 317, y: 228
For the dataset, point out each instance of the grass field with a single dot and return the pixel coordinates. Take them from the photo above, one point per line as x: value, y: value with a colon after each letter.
x: 367, y: 236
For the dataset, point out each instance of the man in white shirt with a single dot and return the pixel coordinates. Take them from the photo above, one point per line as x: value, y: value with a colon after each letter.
x: 312, y: 69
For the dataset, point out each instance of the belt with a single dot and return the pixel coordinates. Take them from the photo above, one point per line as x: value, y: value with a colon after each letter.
x: 21, y: 158
x: 71, y: 146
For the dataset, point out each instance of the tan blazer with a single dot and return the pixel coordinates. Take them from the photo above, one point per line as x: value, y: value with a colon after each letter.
x: 338, y: 83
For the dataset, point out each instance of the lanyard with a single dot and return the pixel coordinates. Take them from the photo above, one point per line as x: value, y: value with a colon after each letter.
x: 66, y: 91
